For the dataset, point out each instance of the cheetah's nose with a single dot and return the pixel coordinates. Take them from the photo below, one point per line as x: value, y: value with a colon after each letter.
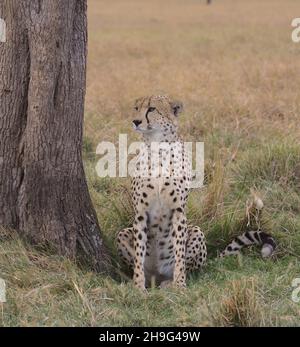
x: 137, y: 122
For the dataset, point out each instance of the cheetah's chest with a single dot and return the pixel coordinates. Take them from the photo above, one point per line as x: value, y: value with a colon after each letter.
x: 160, y: 258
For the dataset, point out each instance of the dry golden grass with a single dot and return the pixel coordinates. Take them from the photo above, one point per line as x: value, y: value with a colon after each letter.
x: 233, y: 64
x: 241, y: 306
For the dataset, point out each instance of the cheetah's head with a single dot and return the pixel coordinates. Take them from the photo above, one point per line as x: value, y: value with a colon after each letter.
x: 156, y: 115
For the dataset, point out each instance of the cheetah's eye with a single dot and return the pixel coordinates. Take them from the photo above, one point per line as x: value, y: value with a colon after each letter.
x: 136, y: 108
x: 151, y: 109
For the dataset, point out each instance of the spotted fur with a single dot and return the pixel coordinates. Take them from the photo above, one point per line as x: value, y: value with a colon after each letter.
x: 161, y: 247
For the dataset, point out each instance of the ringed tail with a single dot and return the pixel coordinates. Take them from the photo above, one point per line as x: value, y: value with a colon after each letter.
x: 249, y: 238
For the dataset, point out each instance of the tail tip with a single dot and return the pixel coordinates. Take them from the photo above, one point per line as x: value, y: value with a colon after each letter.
x: 267, y: 250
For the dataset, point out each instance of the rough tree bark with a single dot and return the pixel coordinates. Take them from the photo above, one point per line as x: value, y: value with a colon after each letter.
x: 43, y: 190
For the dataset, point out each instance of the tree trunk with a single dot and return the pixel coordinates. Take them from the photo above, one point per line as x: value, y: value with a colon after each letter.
x: 43, y: 190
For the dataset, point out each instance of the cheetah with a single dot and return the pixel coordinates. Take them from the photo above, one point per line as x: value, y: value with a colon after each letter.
x: 161, y: 247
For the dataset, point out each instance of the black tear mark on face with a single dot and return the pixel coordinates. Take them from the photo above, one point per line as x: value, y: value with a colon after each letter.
x: 176, y: 110
x: 150, y: 109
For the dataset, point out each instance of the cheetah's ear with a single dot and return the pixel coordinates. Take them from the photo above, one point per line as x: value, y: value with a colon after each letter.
x: 177, y: 107
x: 137, y: 103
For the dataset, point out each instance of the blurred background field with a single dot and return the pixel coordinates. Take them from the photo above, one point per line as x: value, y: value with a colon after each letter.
x: 235, y: 68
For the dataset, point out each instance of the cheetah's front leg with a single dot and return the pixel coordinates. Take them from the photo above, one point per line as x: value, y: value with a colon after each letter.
x: 179, y: 241
x: 139, y: 241
x: 125, y: 246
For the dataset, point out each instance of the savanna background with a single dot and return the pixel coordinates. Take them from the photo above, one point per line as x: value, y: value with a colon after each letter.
x: 236, y: 69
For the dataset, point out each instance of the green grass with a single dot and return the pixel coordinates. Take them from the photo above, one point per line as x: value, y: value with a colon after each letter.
x: 44, y: 289
x: 48, y: 290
